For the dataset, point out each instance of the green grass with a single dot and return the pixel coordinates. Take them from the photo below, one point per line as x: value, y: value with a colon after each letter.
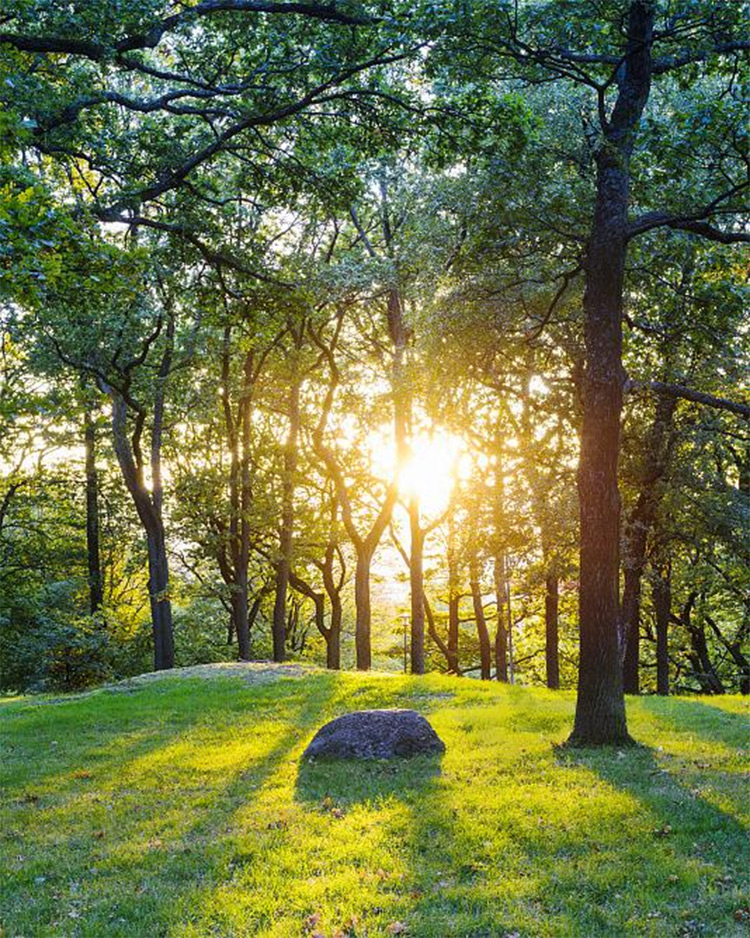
x: 181, y: 809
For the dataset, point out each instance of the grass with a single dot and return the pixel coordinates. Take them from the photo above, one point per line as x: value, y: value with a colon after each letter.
x: 181, y: 809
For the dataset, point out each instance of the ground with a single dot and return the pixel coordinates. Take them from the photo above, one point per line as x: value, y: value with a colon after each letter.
x: 179, y: 807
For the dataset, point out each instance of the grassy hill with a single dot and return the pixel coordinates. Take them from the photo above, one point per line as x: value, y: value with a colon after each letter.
x: 179, y: 807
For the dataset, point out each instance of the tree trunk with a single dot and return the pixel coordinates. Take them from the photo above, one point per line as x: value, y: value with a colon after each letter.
x: 416, y: 582
x: 501, y: 632
x: 485, y: 653
x: 499, y: 567
x: 96, y: 583
x: 287, y: 526
x: 704, y: 669
x: 454, y: 595
x: 638, y: 528
x: 661, y: 593
x: 363, y: 612
x: 551, y: 644
x: 158, y: 591
x: 735, y: 650
x: 333, y: 641
x: 238, y: 429
x: 148, y: 505
x: 600, y: 708
x: 243, y: 620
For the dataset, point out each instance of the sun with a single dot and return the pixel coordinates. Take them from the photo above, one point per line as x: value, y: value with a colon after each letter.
x: 432, y: 470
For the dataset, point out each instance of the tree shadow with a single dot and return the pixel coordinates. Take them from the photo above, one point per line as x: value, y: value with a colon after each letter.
x: 698, y: 718
x: 174, y: 832
x: 365, y: 781
x: 698, y: 850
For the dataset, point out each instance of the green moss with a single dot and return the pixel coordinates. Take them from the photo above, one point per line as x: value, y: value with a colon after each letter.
x: 181, y: 809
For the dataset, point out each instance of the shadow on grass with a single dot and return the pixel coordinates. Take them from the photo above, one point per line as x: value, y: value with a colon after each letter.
x: 171, y: 839
x: 350, y: 782
x: 700, y: 719
x: 699, y: 853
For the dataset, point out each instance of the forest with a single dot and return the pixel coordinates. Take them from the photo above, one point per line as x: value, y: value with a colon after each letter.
x: 386, y: 335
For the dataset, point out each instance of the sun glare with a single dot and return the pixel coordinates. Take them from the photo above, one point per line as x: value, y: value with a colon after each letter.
x: 431, y: 472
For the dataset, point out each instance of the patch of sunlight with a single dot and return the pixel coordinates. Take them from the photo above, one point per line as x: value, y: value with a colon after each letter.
x: 201, y: 756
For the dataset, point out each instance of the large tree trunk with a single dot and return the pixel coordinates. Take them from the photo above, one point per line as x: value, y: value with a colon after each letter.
x: 485, y: 653
x: 551, y: 644
x: 638, y: 528
x: 93, y: 554
x: 600, y: 709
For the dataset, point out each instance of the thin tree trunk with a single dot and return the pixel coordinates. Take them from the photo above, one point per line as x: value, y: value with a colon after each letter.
x: 499, y: 567
x: 735, y: 650
x: 243, y: 621
x: 362, y: 641
x: 501, y: 631
x: 661, y: 593
x: 454, y: 596
x: 637, y: 530
x: 158, y: 591
x: 416, y: 582
x: 93, y: 554
x: 551, y: 644
x: 287, y: 526
x: 333, y: 589
x: 333, y: 643
x: 148, y: 505
x: 485, y: 653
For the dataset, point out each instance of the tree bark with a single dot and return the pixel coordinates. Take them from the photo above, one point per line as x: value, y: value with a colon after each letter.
x: 93, y: 553
x: 333, y: 587
x: 600, y: 708
x: 661, y: 594
x: 499, y: 569
x: 637, y: 531
x: 238, y: 426
x: 501, y: 632
x: 363, y: 615
x: 416, y: 583
x: 286, y: 532
x: 551, y: 643
x: 485, y: 653
x: 148, y: 506
x: 454, y: 595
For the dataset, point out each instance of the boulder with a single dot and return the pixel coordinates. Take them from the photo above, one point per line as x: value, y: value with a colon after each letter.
x: 375, y: 734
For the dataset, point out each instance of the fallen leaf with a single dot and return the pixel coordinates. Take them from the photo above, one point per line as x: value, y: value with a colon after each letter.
x: 312, y: 920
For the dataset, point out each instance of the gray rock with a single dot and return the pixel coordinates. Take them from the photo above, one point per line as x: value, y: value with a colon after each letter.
x: 375, y: 734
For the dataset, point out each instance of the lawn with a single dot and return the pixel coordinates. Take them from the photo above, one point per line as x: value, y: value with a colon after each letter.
x: 180, y: 808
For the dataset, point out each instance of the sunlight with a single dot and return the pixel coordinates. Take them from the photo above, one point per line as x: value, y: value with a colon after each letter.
x: 431, y: 471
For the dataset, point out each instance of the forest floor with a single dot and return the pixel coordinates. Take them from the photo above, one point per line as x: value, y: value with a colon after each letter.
x: 180, y: 808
